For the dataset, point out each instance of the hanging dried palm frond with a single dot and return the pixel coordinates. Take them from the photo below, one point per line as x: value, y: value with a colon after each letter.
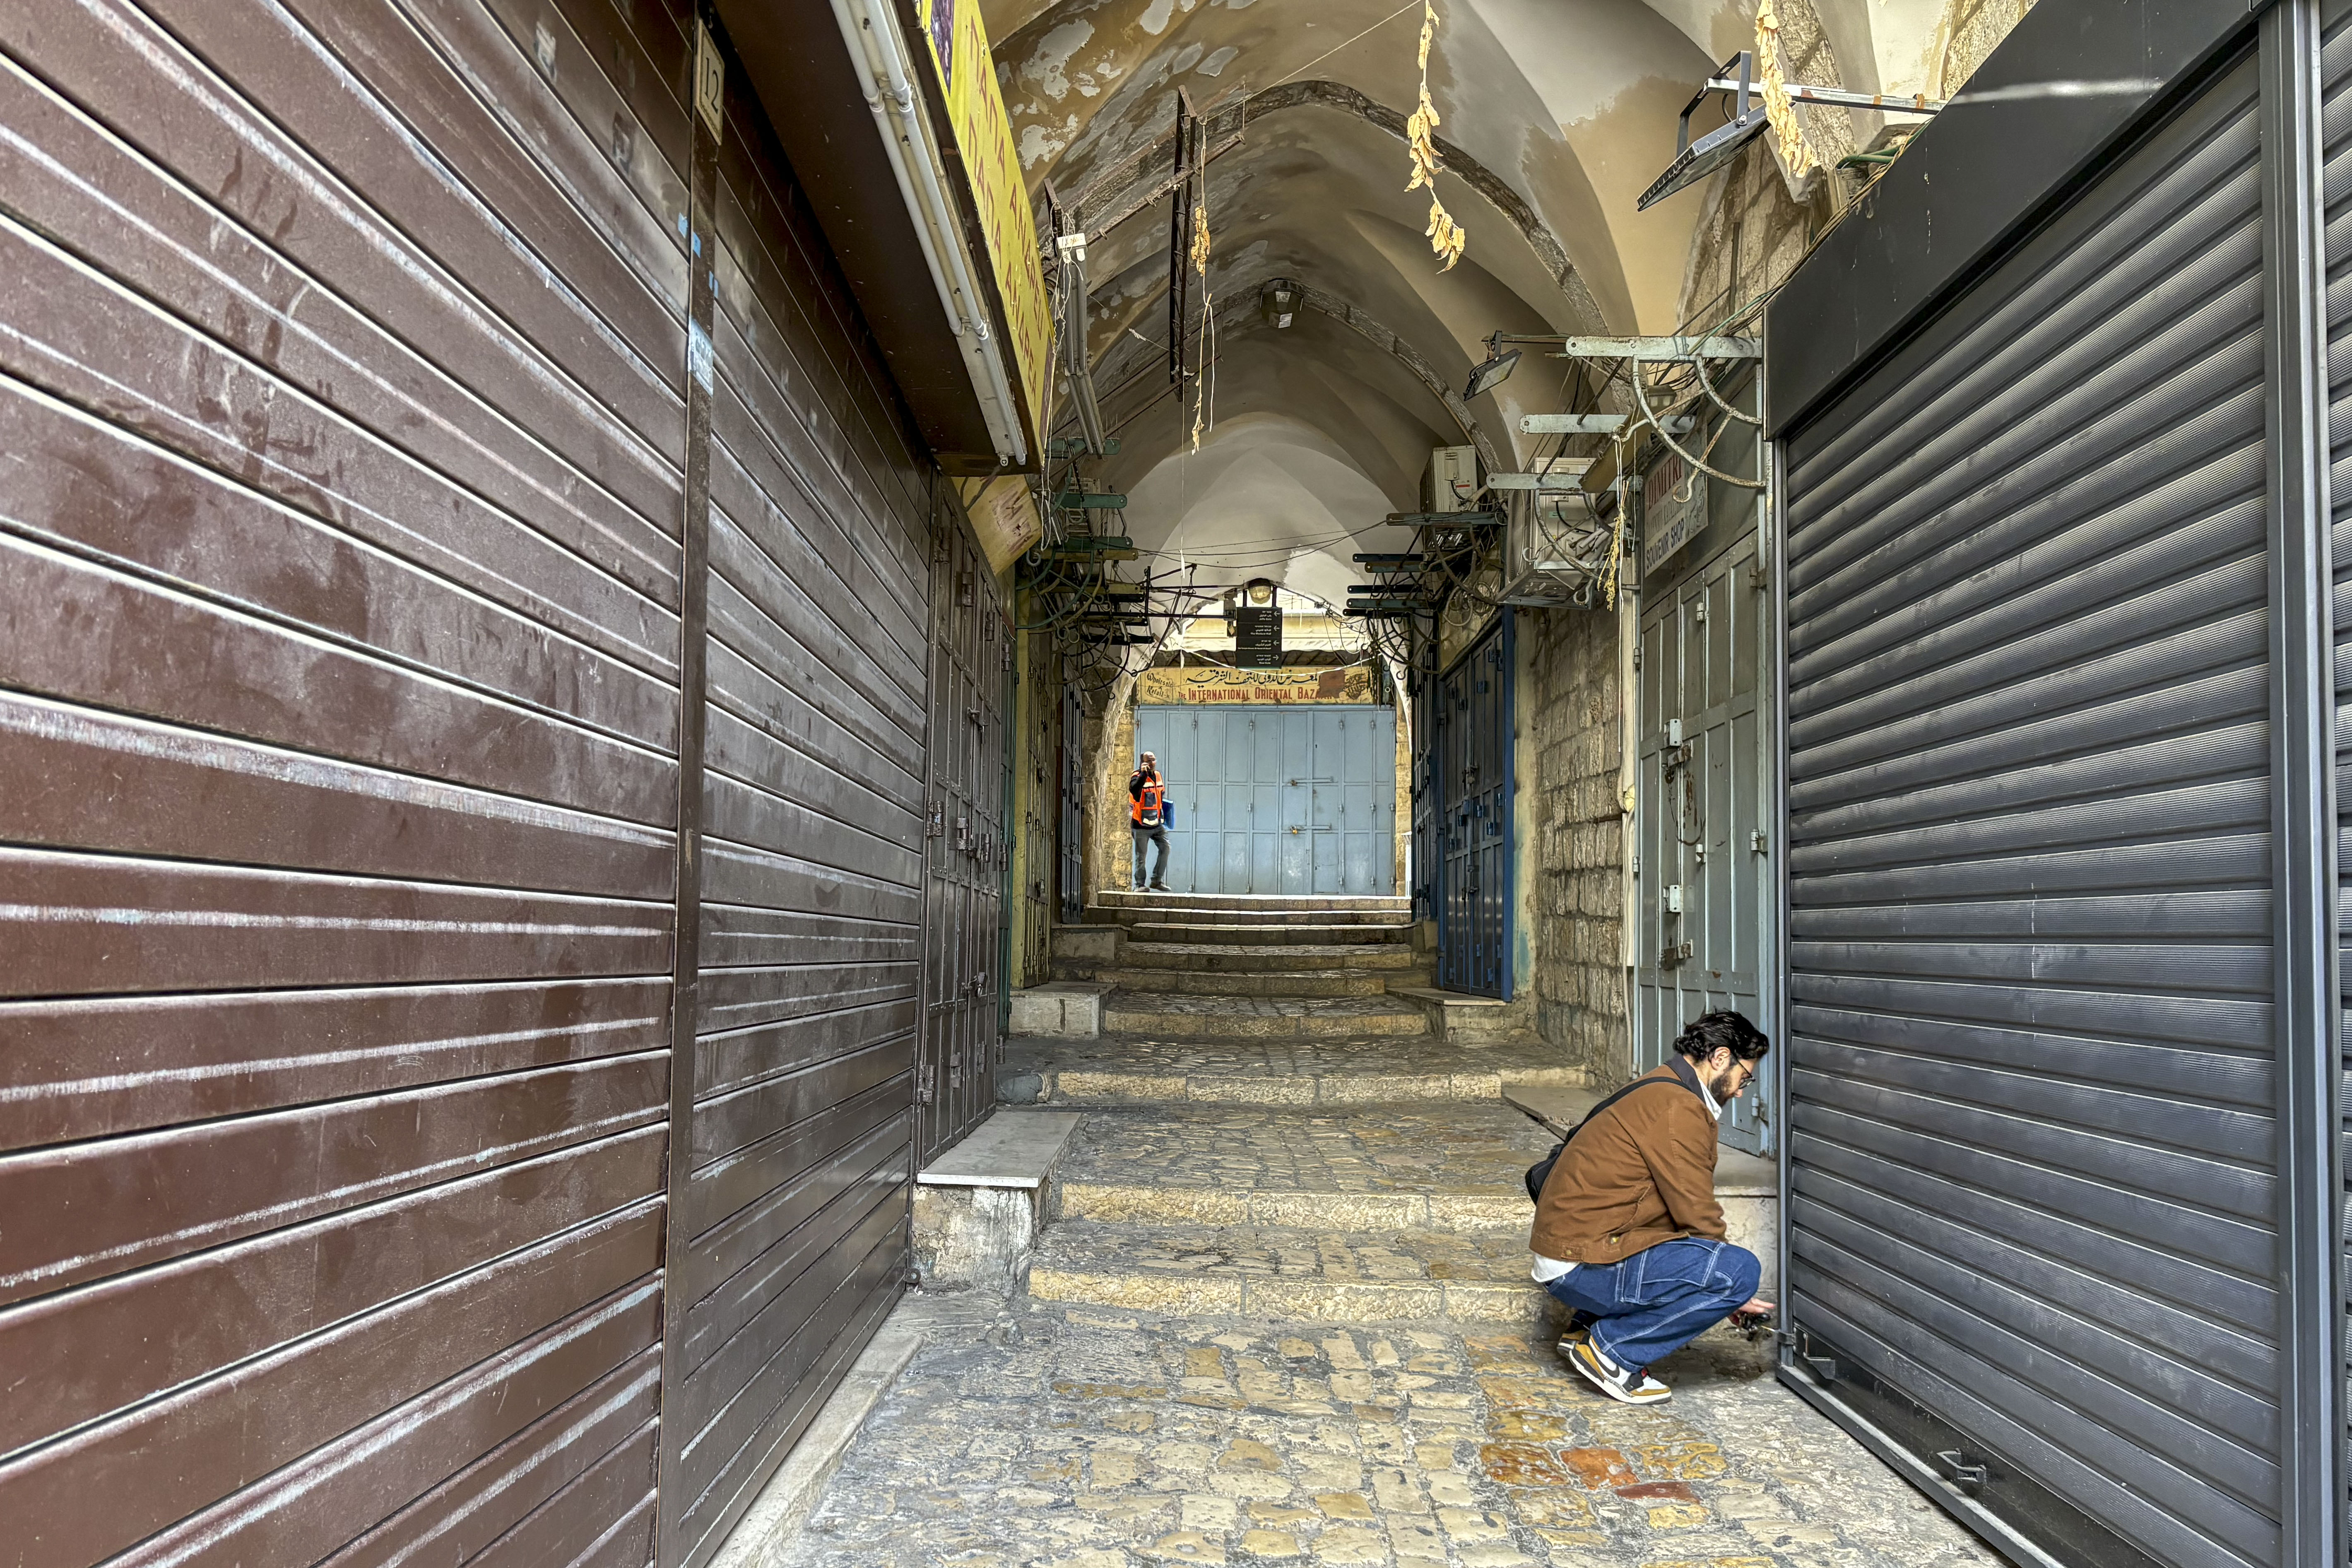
x: 1206, y: 380
x: 1446, y: 238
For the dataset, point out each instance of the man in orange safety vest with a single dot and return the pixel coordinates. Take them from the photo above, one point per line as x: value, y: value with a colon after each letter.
x: 1149, y: 818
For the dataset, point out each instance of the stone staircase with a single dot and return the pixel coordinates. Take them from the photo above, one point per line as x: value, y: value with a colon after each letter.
x: 1194, y: 966
x: 1273, y: 1130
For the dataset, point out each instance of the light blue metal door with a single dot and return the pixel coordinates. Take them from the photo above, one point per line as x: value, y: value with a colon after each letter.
x: 1276, y: 799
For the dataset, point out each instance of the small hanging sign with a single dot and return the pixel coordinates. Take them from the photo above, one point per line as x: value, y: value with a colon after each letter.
x: 1258, y: 637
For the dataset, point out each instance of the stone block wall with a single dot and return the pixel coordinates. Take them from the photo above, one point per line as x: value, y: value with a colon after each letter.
x: 1573, y: 881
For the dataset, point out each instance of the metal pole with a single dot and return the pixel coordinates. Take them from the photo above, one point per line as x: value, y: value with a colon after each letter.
x: 2303, y: 796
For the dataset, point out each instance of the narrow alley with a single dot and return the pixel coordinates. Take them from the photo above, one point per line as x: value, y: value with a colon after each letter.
x: 1102, y: 783
x: 1283, y: 1314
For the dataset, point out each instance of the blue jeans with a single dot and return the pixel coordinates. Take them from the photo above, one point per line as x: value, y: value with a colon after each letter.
x: 1658, y: 1300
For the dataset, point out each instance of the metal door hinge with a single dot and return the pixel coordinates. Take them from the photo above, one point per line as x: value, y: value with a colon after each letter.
x: 1758, y: 577
x: 923, y: 1076
x: 1756, y: 840
x: 1679, y: 953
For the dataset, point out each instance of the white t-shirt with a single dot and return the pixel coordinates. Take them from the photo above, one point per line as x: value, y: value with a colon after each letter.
x: 1546, y: 1269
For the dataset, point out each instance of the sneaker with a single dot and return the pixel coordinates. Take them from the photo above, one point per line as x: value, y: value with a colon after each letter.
x: 1576, y: 1334
x: 1627, y: 1385
x: 1161, y: 888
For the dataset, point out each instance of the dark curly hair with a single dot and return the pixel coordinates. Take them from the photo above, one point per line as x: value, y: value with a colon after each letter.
x: 1704, y: 1035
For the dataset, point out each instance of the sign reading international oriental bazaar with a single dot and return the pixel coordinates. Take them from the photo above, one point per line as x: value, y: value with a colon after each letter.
x: 983, y: 134
x: 1214, y: 683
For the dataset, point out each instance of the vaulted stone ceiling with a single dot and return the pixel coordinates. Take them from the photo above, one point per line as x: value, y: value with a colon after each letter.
x: 1555, y: 115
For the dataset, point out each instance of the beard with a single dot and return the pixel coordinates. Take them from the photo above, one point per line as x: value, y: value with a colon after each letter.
x: 1721, y: 1086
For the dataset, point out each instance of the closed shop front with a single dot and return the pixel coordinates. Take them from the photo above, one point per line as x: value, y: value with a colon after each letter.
x: 1292, y: 799
x: 2062, y: 1189
x: 1470, y: 750
x: 465, y: 628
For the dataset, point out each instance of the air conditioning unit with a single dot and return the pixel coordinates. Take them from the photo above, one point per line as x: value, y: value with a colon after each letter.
x: 1555, y: 548
x: 1452, y: 482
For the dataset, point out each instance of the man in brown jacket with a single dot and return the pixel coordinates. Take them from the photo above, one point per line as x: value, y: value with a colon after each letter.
x: 1628, y: 1234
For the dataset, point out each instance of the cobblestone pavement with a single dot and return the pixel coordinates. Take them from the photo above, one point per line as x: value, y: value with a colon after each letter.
x: 1031, y: 1436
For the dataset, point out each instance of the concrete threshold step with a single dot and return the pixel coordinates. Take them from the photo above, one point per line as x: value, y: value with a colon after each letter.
x: 1270, y: 983
x: 1230, y: 934
x: 1290, y: 1274
x: 1407, y: 1069
x: 1172, y: 1015
x: 1237, y: 957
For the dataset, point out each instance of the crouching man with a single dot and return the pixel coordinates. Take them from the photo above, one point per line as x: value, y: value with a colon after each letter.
x: 1627, y: 1233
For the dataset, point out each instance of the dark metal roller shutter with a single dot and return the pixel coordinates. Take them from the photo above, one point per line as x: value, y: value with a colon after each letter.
x: 2031, y: 1221
x: 964, y: 890
x: 2335, y: 131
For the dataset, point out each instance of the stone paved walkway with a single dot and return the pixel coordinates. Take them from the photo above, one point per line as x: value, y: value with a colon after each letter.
x: 1026, y: 1436
x: 1469, y: 1146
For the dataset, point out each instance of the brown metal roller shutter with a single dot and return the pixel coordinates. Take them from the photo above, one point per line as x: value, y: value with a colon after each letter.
x: 349, y: 423
x: 789, y: 1241
x: 338, y: 680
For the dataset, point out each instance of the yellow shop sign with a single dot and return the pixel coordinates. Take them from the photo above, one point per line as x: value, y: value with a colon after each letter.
x: 983, y: 134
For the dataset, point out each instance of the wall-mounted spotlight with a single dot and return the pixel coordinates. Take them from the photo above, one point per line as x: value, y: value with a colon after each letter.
x: 1486, y: 376
x: 1696, y: 160
x: 1280, y: 301
x: 1260, y: 591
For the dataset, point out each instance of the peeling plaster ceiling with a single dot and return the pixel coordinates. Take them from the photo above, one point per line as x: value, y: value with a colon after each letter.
x: 1563, y: 111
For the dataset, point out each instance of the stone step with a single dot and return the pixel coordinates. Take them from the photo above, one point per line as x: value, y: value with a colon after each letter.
x: 1144, y: 914
x: 1171, y: 1015
x: 1220, y: 934
x: 1261, y: 958
x: 1291, y: 1274
x: 1270, y: 1071
x: 1391, y: 903
x: 1444, y: 1165
x: 1294, y: 983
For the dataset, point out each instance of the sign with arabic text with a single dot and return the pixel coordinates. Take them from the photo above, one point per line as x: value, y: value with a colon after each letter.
x: 1215, y: 683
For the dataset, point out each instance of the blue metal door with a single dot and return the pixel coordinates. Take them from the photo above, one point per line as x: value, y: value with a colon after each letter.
x: 1276, y: 799
x: 1472, y: 754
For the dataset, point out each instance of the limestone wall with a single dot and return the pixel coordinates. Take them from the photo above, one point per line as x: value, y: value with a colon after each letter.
x: 1570, y: 816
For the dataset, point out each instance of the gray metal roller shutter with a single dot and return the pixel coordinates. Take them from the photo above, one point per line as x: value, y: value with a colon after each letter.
x: 2032, y: 1195
x: 2335, y: 69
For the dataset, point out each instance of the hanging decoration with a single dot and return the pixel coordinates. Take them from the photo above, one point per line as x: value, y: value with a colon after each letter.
x: 1204, y: 380
x: 1779, y: 107
x: 1446, y: 238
